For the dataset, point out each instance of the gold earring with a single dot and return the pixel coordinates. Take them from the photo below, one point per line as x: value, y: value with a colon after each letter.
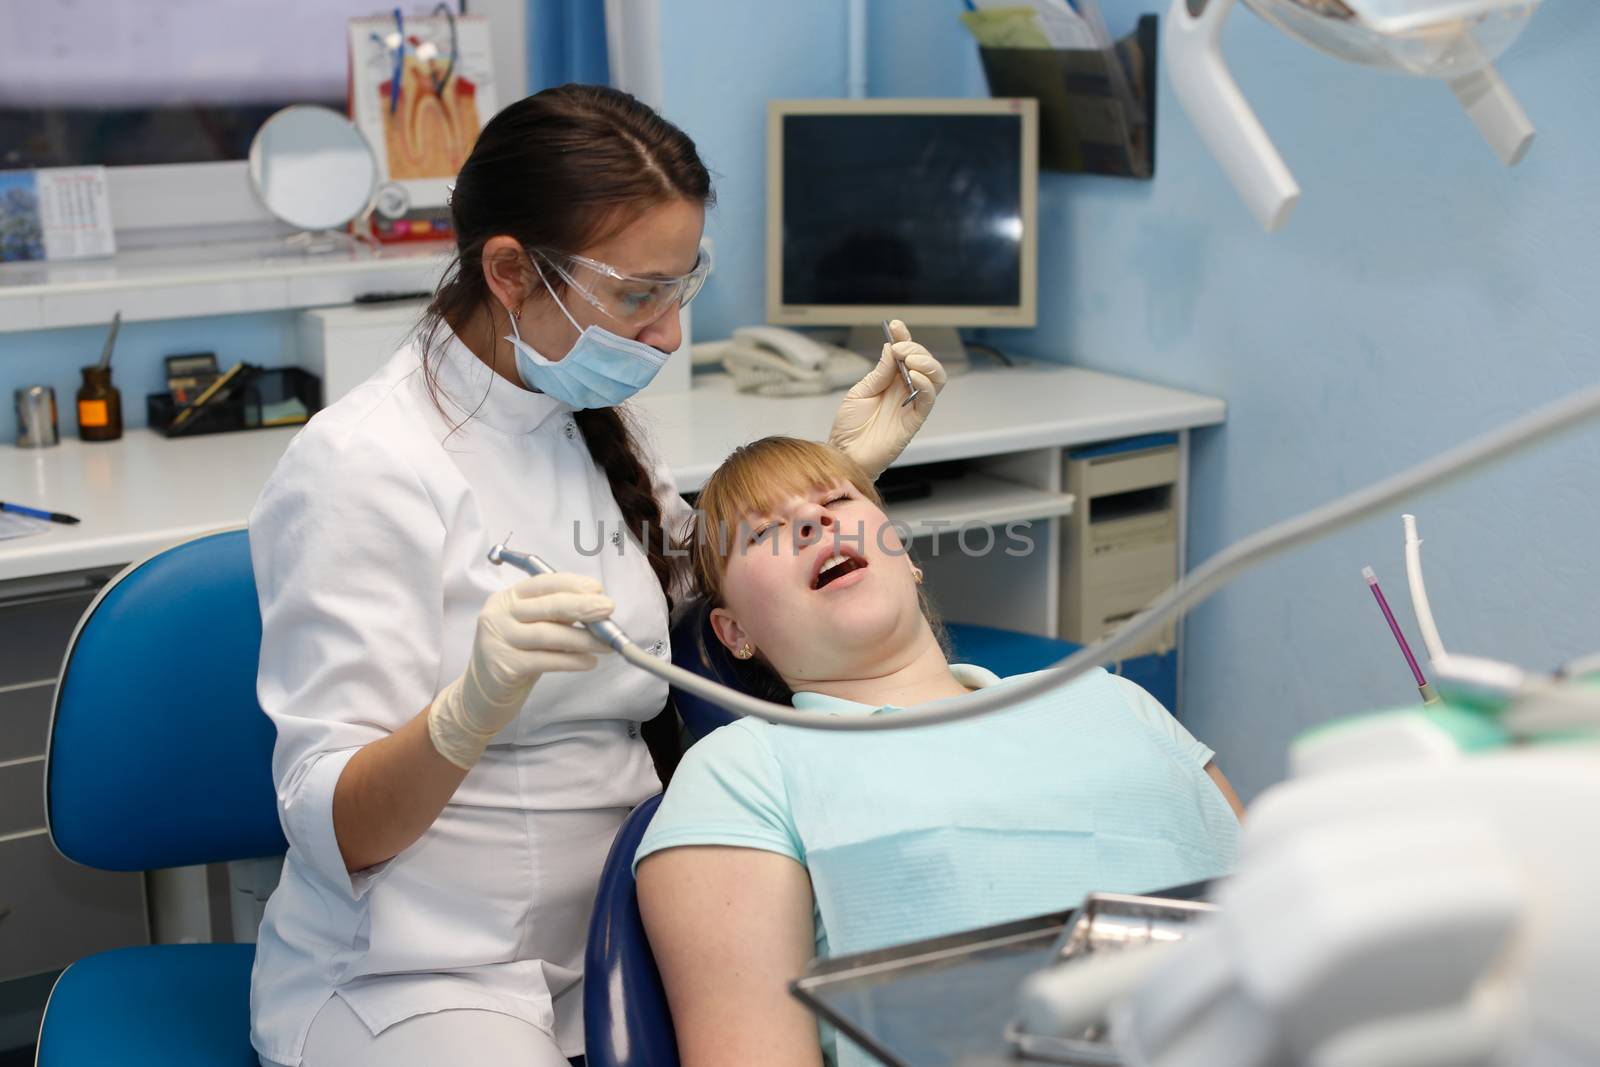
x: 745, y: 651
x: 916, y: 575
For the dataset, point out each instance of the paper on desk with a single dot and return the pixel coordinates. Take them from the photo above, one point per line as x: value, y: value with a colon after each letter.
x: 1056, y: 21
x: 14, y: 525
x: 1006, y: 27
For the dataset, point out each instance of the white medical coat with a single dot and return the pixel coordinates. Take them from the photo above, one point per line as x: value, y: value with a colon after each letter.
x: 369, y: 546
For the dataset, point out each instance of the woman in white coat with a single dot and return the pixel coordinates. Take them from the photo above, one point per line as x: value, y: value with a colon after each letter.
x: 453, y: 754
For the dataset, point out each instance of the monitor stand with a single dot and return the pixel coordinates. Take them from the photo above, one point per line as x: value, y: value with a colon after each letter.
x: 943, y: 341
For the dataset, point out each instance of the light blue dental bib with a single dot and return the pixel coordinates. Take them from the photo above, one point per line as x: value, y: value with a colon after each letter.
x: 924, y: 833
x: 914, y: 834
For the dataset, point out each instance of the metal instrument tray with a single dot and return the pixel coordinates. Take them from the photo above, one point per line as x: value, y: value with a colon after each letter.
x: 1107, y: 922
x: 944, y: 1002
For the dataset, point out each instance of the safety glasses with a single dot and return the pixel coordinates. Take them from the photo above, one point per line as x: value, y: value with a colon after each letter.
x: 632, y: 300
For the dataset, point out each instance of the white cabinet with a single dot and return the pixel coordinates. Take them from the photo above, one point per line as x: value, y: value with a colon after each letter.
x: 52, y: 911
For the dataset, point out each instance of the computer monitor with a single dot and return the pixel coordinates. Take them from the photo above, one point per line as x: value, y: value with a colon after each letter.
x: 923, y: 210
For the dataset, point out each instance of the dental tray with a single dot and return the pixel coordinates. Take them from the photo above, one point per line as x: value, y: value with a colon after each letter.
x: 1107, y: 922
x: 944, y: 1002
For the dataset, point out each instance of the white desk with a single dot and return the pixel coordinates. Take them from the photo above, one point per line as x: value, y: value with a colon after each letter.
x: 989, y: 411
x: 144, y: 492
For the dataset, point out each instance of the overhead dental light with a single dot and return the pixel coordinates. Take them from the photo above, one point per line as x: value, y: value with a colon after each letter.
x: 1456, y: 41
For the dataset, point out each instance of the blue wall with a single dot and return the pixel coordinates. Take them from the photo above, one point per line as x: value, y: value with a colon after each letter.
x: 720, y: 64
x: 1421, y: 293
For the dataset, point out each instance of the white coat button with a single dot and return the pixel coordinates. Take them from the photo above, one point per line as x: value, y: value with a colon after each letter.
x: 657, y: 648
x: 633, y: 729
x: 571, y: 430
x: 616, y: 537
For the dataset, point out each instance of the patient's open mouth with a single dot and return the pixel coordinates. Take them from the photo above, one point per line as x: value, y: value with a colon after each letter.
x: 835, y: 566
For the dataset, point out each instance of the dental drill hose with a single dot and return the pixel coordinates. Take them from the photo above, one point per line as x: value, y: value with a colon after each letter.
x: 1206, y: 579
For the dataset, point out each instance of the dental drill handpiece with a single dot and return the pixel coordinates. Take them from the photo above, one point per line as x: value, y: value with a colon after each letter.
x: 888, y: 335
x: 609, y: 632
x: 604, y: 629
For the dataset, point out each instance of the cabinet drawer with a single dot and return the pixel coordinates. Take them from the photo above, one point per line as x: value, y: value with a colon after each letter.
x: 21, y: 797
x: 24, y: 720
x: 60, y: 912
x: 34, y: 632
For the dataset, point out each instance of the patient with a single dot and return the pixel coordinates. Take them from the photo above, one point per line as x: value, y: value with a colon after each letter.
x: 776, y: 844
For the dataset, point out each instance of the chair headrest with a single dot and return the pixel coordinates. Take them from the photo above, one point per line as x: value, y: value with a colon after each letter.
x: 695, y: 648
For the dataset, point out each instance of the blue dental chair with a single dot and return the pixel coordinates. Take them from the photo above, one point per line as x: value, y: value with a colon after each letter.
x: 160, y: 757
x: 625, y: 1016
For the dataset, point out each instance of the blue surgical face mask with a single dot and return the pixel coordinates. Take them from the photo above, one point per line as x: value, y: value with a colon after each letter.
x: 602, y: 370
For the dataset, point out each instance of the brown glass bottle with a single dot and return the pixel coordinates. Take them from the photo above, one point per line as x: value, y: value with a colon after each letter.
x: 99, y: 406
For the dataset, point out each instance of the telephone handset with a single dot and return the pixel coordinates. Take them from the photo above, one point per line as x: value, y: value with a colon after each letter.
x: 773, y: 361
x: 792, y: 345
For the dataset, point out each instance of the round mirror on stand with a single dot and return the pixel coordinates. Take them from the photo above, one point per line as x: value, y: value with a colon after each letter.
x: 311, y: 168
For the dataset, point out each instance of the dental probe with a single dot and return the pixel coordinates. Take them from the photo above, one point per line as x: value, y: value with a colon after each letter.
x: 1197, y: 586
x: 888, y: 335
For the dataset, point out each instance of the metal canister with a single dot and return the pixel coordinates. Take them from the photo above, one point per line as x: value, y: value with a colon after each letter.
x: 36, y: 417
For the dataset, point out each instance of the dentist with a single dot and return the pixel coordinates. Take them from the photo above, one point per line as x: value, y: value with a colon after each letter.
x: 453, y: 755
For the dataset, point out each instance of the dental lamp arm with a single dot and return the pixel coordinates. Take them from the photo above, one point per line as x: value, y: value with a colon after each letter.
x: 1487, y: 100
x: 1191, y: 42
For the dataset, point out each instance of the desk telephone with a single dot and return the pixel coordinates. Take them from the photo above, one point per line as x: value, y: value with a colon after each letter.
x: 771, y: 361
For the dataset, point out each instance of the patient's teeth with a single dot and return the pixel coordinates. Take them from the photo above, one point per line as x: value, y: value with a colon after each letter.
x: 831, y: 564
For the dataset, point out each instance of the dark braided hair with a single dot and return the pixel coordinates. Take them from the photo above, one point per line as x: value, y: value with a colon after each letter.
x: 564, y: 169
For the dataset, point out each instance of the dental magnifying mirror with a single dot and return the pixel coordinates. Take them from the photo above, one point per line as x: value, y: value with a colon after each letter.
x: 311, y: 168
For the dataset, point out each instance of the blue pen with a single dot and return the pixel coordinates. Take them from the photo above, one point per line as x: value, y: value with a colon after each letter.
x: 35, y: 513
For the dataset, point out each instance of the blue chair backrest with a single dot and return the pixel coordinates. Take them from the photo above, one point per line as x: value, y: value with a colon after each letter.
x: 626, y: 1022
x: 159, y: 755
x: 696, y: 648
x: 1005, y: 652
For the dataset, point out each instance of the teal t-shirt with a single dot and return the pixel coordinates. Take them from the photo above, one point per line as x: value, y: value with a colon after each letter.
x: 911, y: 834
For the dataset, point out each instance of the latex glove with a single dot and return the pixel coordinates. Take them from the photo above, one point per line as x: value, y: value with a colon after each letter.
x: 871, y: 426
x: 523, y: 632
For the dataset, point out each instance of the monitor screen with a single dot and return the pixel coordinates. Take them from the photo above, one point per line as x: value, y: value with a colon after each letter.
x: 904, y: 210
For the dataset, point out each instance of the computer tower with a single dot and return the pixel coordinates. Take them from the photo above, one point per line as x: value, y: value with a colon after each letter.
x: 1120, y: 544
